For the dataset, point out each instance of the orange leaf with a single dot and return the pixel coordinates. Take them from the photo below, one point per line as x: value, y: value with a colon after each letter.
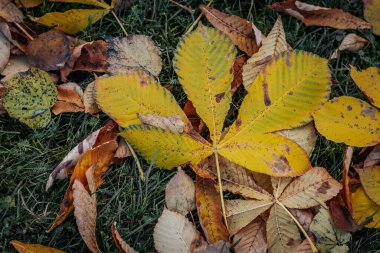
x: 240, y: 31
x: 33, y: 248
x: 100, y: 157
x: 320, y: 16
x: 209, y: 210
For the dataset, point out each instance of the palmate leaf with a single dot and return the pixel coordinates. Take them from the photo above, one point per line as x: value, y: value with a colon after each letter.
x: 203, y: 64
x: 165, y: 148
x: 123, y: 97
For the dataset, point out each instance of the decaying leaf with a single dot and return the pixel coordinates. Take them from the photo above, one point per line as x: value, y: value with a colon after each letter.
x: 349, y: 120
x: 171, y: 123
x: 373, y: 157
x: 370, y: 177
x: 329, y: 238
x: 10, y: 12
x: 49, y: 51
x: 174, y: 233
x: 239, y: 30
x: 122, y: 151
x: 346, y: 194
x: 342, y: 217
x: 33, y: 248
x: 122, y: 246
x: 320, y: 16
x: 210, y: 210
x: 252, y: 238
x: 364, y: 209
x: 28, y: 3
x: 85, y: 209
x: 304, y: 216
x: 70, y: 99
x: 272, y: 46
x: 352, y: 43
x: 71, y: 21
x: 29, y: 97
x: 16, y: 64
x: 100, y: 157
x: 304, y: 136
x: 371, y: 13
x: 238, y: 73
x: 218, y: 247
x: 368, y: 81
x: 135, y: 52
x: 89, y: 100
x: 5, y: 51
x: 180, y: 193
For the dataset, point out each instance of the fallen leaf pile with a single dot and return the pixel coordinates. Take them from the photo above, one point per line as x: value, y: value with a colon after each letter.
x: 251, y: 182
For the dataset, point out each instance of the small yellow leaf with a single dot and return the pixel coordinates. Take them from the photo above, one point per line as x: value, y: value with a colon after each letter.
x: 369, y: 82
x: 284, y: 95
x: 370, y: 178
x: 72, y: 21
x: 364, y: 209
x: 98, y: 3
x: 124, y: 97
x: 166, y: 149
x: 203, y: 64
x: 33, y: 248
x: 271, y: 154
x: 272, y: 46
x: 371, y: 13
x: 349, y: 120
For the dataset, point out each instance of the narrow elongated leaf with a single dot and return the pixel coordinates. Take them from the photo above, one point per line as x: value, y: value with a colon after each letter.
x: 235, y: 178
x: 368, y: 81
x: 284, y: 95
x: 124, y: 97
x: 174, y: 233
x: 71, y: 21
x: 166, y: 149
x: 252, y: 238
x: 203, y: 62
x: 33, y: 248
x: 311, y: 189
x: 349, y: 120
x: 364, y: 209
x: 271, y: 154
x: 282, y: 233
x: 239, y: 30
x: 210, y: 210
x: 329, y: 238
x: 122, y: 246
x: 370, y: 178
x: 241, y: 212
x: 272, y: 46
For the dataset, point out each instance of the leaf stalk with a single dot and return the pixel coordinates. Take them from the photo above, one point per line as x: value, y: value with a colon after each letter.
x: 220, y: 186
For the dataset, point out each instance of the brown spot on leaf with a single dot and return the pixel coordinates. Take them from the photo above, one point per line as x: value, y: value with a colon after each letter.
x: 238, y: 123
x: 324, y: 187
x: 369, y: 111
x: 349, y: 108
x: 267, y: 101
x: 280, y: 164
x: 290, y: 93
x: 80, y: 148
x: 219, y: 97
x: 143, y: 83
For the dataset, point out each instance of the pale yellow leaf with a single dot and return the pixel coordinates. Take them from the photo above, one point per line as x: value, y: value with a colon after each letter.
x: 203, y: 64
x: 370, y: 178
x: 33, y: 248
x: 364, y: 210
x: 241, y: 212
x: 349, y: 120
x: 311, y: 189
x: 371, y: 13
x: 368, y: 81
x: 279, y: 184
x: 272, y: 45
x: 174, y: 233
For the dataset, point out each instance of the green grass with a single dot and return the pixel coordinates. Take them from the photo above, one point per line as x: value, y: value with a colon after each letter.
x: 27, y: 157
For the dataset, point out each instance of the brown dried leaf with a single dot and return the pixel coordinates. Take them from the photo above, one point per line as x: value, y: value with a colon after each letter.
x: 312, y: 188
x: 33, y: 248
x: 120, y: 243
x: 304, y: 217
x: 89, y: 100
x: 346, y: 193
x: 238, y: 73
x: 69, y: 99
x: 16, y: 64
x: 320, y: 16
x: 10, y: 12
x: 210, y: 211
x: 180, y: 193
x: 252, y: 238
x: 61, y: 107
x: 49, y: 51
x: 171, y: 123
x: 239, y: 30
x: 5, y: 51
x: 351, y: 43
x: 134, y: 52
x: 85, y: 210
x: 341, y: 217
x: 218, y: 247
x: 174, y: 233
x: 373, y: 157
x: 122, y: 150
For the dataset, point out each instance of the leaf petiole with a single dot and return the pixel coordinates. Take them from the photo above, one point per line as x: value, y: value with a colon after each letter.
x: 220, y: 185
